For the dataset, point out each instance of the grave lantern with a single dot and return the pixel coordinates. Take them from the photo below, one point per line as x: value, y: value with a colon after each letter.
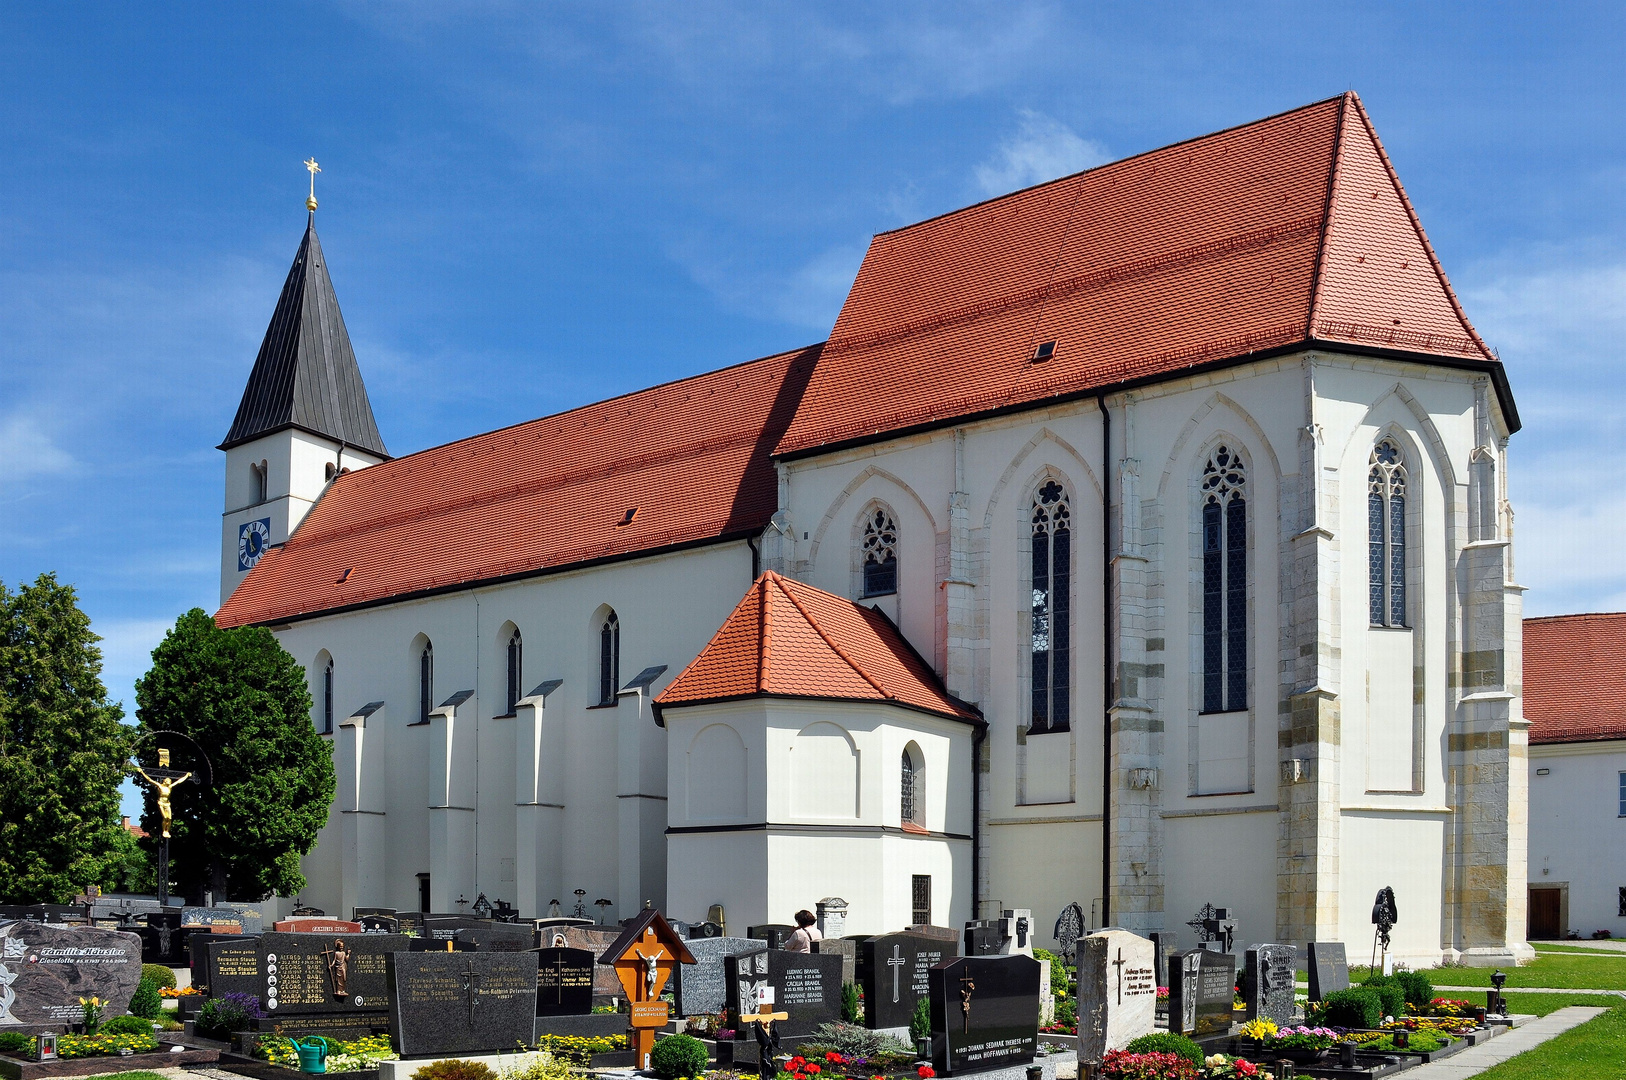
x: 45, y: 1047
x: 645, y: 957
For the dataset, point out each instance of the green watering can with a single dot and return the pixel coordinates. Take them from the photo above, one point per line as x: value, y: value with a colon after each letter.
x: 312, y: 1052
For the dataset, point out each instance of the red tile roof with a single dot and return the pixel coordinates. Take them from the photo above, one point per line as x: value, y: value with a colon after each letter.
x: 690, y: 456
x: 1286, y: 231
x: 1574, y: 677
x: 787, y: 639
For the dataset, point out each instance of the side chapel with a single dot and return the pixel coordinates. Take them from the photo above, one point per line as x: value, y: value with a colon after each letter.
x: 1139, y: 539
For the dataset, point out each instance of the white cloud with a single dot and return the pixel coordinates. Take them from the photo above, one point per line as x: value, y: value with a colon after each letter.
x: 127, y: 646
x: 1042, y: 149
x: 27, y: 451
x: 807, y: 295
x: 1574, y: 316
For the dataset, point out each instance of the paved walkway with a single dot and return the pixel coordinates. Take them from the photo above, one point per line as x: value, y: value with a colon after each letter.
x: 1476, y: 1059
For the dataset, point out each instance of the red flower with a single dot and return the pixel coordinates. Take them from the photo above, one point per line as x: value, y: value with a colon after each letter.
x: 833, y: 1057
x: 814, y: 1069
x: 925, y: 1072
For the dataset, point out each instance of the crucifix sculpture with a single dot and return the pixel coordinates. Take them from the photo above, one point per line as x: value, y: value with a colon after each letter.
x: 338, y: 967
x: 966, y: 986
x: 471, y: 989
x: 895, y: 963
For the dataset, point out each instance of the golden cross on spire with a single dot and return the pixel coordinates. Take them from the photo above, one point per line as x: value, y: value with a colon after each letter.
x: 310, y: 164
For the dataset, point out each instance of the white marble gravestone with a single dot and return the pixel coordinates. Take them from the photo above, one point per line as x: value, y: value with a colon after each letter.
x: 1117, y: 991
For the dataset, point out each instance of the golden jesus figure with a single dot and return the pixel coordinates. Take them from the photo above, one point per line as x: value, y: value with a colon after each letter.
x: 164, y: 787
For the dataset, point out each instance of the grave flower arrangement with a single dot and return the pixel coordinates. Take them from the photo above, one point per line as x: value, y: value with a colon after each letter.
x: 1163, y: 995
x: 1441, y: 1006
x: 342, y: 1056
x: 579, y: 1049
x: 83, y: 1046
x: 178, y: 992
x: 1300, y: 1038
x: 1122, y: 1065
x: 1224, y: 1067
x: 1443, y: 1025
x: 1258, y: 1030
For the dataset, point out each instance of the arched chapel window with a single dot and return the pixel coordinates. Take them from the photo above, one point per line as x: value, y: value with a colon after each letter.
x: 1225, y: 582
x: 1386, y: 536
x: 912, y: 797
x: 515, y: 658
x: 880, y: 548
x: 609, y: 659
x: 1052, y: 554
x: 426, y: 682
x: 327, y: 699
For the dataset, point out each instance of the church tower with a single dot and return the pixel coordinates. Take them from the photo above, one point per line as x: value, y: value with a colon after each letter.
x: 303, y: 420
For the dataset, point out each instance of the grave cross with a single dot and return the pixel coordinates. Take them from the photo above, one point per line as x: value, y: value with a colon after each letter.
x: 895, y: 963
x: 471, y: 989
x: 1119, y: 964
x: 558, y: 980
x: 966, y: 986
x: 1199, y: 922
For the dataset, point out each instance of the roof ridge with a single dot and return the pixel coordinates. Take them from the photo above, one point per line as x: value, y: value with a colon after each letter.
x: 1326, y: 214
x: 1577, y: 615
x: 828, y: 640
x: 765, y: 618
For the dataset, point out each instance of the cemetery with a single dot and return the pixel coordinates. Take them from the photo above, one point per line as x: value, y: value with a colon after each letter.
x: 387, y: 995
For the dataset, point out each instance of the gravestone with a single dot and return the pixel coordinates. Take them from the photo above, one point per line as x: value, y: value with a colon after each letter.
x: 45, y: 968
x: 497, y: 937
x: 806, y: 987
x: 893, y: 974
x: 1166, y: 943
x: 701, y: 985
x: 937, y: 933
x: 1117, y: 991
x: 985, y: 1013
x: 373, y: 923
x: 1267, y: 982
x: 832, y: 916
x: 1202, y: 988
x: 461, y: 1003
x: 705, y: 930
x: 983, y: 938
x: 357, y: 912
x: 595, y: 939
x: 564, y: 982
x: 774, y: 934
x: 224, y: 919
x: 251, y: 916
x: 1329, y: 969
x: 452, y: 944
x: 1069, y: 928
x: 845, y: 948
x: 310, y: 973
x: 315, y: 925
x: 230, y: 965
x: 1016, y: 927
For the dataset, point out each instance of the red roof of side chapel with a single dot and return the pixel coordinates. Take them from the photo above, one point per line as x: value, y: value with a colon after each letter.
x: 1574, y: 672
x: 1283, y: 232
x: 787, y: 639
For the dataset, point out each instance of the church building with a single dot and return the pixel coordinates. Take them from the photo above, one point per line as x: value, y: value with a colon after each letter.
x: 1139, y: 539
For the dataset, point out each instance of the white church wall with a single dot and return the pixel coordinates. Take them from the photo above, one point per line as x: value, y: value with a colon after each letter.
x: 669, y: 606
x: 1043, y: 865
x: 1224, y: 859
x: 1401, y: 851
x: 1578, y: 831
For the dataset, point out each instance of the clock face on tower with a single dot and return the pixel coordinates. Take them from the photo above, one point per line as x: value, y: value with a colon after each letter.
x: 253, y: 538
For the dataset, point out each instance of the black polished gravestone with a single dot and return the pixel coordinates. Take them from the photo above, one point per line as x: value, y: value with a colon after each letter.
x: 461, y: 1003
x: 1163, y: 946
x: 45, y: 968
x: 1329, y: 969
x: 1267, y: 982
x: 985, y: 1013
x: 775, y: 934
x: 226, y: 964
x: 377, y: 923
x: 1202, y: 989
x: 983, y: 938
x: 325, y: 973
x: 564, y: 982
x: 892, y: 972
x: 806, y: 987
x: 497, y: 937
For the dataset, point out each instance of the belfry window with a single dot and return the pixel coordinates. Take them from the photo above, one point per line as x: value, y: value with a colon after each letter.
x: 609, y: 659
x: 426, y: 682
x: 258, y: 485
x: 880, y: 549
x: 1051, y: 649
x: 515, y: 657
x: 1225, y: 582
x: 1386, y: 536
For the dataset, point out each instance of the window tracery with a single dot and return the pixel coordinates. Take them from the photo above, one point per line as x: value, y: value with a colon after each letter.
x: 327, y: 698
x: 1386, y: 535
x: 515, y: 657
x: 880, y: 553
x: 609, y: 659
x: 909, y: 806
x: 426, y: 682
x: 1051, y: 648
x: 1225, y: 582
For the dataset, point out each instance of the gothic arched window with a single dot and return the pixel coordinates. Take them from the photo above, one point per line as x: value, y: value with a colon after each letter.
x: 1052, y: 609
x: 1225, y: 582
x: 327, y: 698
x: 880, y: 549
x: 515, y: 658
x: 910, y: 804
x: 609, y: 659
x: 426, y: 682
x: 1386, y: 536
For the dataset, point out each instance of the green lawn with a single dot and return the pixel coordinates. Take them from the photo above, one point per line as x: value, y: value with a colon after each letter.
x: 1542, y: 1004
x: 1594, y: 1051
x: 1557, y: 970
x: 1547, y: 946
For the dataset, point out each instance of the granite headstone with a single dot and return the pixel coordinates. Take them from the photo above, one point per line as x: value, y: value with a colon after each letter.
x: 1165, y: 942
x: 845, y: 948
x: 230, y: 963
x: 564, y: 982
x: 892, y: 970
x: 461, y: 1003
x: 45, y: 968
x: 316, y: 925
x: 311, y: 973
x: 983, y: 938
x: 773, y: 933
x: 1329, y: 969
x: 700, y: 987
x: 937, y: 933
x: 1267, y: 982
x: 498, y: 937
x: 806, y: 986
x: 1202, y: 987
x: 1117, y: 991
x: 985, y: 1013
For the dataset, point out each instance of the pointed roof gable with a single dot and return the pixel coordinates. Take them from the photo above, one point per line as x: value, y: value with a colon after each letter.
x: 1574, y: 675
x: 306, y: 375
x: 1285, y: 232
x: 787, y: 639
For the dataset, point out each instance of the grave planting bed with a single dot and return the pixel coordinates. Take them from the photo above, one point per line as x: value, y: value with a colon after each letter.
x: 12, y: 1068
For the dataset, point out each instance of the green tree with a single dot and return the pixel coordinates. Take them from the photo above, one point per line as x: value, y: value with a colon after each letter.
x: 62, y: 747
x: 240, y: 696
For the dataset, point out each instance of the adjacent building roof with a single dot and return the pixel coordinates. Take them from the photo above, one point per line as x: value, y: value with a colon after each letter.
x: 787, y: 639
x: 306, y: 375
x: 1575, y: 677
x: 1285, y: 232
x: 680, y: 464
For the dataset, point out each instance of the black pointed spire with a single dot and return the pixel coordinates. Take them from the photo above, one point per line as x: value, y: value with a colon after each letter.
x: 306, y: 374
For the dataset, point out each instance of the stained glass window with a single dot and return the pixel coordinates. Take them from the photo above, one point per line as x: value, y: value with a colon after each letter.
x: 516, y: 651
x: 1225, y: 582
x: 880, y: 547
x: 327, y: 699
x: 1052, y: 553
x: 1386, y: 536
x: 908, y: 806
x: 609, y: 659
x: 426, y: 682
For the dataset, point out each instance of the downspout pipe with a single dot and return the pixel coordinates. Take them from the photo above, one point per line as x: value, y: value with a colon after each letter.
x: 756, y: 558
x: 977, y: 736
x: 1106, y: 660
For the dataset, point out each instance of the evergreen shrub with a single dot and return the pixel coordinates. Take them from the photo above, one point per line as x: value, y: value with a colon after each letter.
x: 128, y: 1025
x: 1361, y: 1007
x: 1167, y: 1042
x: 678, y: 1055
x: 161, y: 976
x: 145, y: 1004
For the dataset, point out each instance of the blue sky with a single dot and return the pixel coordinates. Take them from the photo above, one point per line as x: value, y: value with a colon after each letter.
x: 528, y: 207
